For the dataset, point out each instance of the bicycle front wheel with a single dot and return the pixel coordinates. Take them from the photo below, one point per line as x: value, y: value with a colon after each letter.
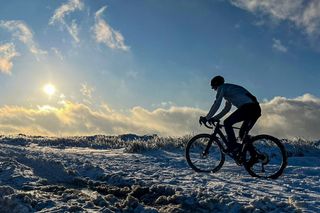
x: 265, y: 157
x: 203, y: 153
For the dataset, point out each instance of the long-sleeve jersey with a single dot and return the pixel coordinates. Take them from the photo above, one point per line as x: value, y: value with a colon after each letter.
x: 234, y: 95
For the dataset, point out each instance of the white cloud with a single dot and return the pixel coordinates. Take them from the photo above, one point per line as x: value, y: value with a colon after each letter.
x: 74, y: 31
x: 303, y: 13
x: 105, y: 34
x: 277, y: 45
x: 281, y: 117
x: 80, y: 119
x: 23, y: 33
x: 58, y: 53
x: 7, y: 53
x: 289, y: 118
x: 64, y: 10
x: 86, y: 90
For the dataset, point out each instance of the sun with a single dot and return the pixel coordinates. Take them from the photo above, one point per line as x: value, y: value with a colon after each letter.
x: 49, y: 89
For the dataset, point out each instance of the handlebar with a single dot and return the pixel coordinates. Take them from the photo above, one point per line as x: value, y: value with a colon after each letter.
x: 215, y: 123
x: 209, y: 127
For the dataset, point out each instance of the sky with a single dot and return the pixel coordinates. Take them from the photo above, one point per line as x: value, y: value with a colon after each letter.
x: 82, y: 67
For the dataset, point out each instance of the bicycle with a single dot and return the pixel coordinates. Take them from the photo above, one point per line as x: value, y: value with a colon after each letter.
x: 263, y: 156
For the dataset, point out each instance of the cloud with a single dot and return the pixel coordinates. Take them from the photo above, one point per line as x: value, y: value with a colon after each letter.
x: 105, y: 34
x: 304, y: 14
x: 64, y: 10
x: 23, y: 33
x: 281, y: 117
x: 58, y: 53
x: 7, y: 53
x: 174, y: 121
x: 86, y: 90
x: 289, y: 118
x: 79, y: 119
x: 277, y: 45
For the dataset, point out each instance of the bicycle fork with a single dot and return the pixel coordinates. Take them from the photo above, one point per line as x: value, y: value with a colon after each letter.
x: 206, y: 151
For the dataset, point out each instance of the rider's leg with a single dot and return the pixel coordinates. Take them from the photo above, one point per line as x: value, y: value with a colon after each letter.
x: 255, y: 113
x: 247, y: 112
x: 235, y: 117
x: 244, y: 128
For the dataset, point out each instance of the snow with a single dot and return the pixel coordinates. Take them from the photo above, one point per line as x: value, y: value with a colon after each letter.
x: 109, y: 174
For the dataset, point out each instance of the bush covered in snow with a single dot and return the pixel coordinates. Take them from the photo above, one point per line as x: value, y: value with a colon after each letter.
x: 300, y: 147
x: 135, y: 144
x: 132, y: 143
x: 166, y: 143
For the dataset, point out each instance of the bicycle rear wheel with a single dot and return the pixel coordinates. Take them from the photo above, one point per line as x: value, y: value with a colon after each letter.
x: 200, y: 160
x: 265, y: 157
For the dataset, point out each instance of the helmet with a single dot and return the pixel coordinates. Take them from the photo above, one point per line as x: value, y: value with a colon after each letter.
x: 217, y: 81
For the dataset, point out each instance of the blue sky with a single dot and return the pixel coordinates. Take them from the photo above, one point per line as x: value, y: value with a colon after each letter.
x: 151, y: 55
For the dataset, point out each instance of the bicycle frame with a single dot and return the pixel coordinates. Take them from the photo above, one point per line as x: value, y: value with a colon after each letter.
x: 217, y: 131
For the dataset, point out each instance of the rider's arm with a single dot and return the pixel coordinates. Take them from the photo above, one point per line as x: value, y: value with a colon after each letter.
x: 225, y: 110
x: 216, y: 104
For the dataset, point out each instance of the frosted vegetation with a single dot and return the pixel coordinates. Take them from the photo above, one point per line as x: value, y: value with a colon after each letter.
x: 130, y: 173
x: 136, y: 144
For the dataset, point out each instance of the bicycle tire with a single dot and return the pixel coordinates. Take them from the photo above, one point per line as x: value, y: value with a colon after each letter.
x: 201, y: 141
x: 274, y: 145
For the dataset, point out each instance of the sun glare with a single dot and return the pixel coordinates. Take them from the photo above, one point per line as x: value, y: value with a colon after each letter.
x: 49, y: 89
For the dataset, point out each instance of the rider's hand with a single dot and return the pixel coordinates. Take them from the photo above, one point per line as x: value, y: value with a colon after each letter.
x: 202, y: 120
x: 212, y: 120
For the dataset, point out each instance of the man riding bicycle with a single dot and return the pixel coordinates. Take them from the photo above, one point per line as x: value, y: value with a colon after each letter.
x: 248, y: 110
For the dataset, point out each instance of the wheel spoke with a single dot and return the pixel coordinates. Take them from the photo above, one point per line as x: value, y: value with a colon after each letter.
x: 270, y: 158
x: 213, y: 158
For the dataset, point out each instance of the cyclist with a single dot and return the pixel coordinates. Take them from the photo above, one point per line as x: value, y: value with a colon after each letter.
x: 248, y: 110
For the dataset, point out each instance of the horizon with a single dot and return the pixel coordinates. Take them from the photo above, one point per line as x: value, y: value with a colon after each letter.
x: 80, y: 67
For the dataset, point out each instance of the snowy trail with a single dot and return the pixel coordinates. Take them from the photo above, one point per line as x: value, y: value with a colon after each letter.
x: 36, y: 178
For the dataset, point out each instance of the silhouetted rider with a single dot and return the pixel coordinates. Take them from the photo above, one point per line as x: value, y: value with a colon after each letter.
x: 248, y: 109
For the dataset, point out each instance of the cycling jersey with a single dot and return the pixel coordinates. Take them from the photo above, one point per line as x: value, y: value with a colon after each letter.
x: 234, y: 95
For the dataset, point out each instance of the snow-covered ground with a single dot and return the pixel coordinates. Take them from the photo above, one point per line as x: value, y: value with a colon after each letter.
x: 112, y: 174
